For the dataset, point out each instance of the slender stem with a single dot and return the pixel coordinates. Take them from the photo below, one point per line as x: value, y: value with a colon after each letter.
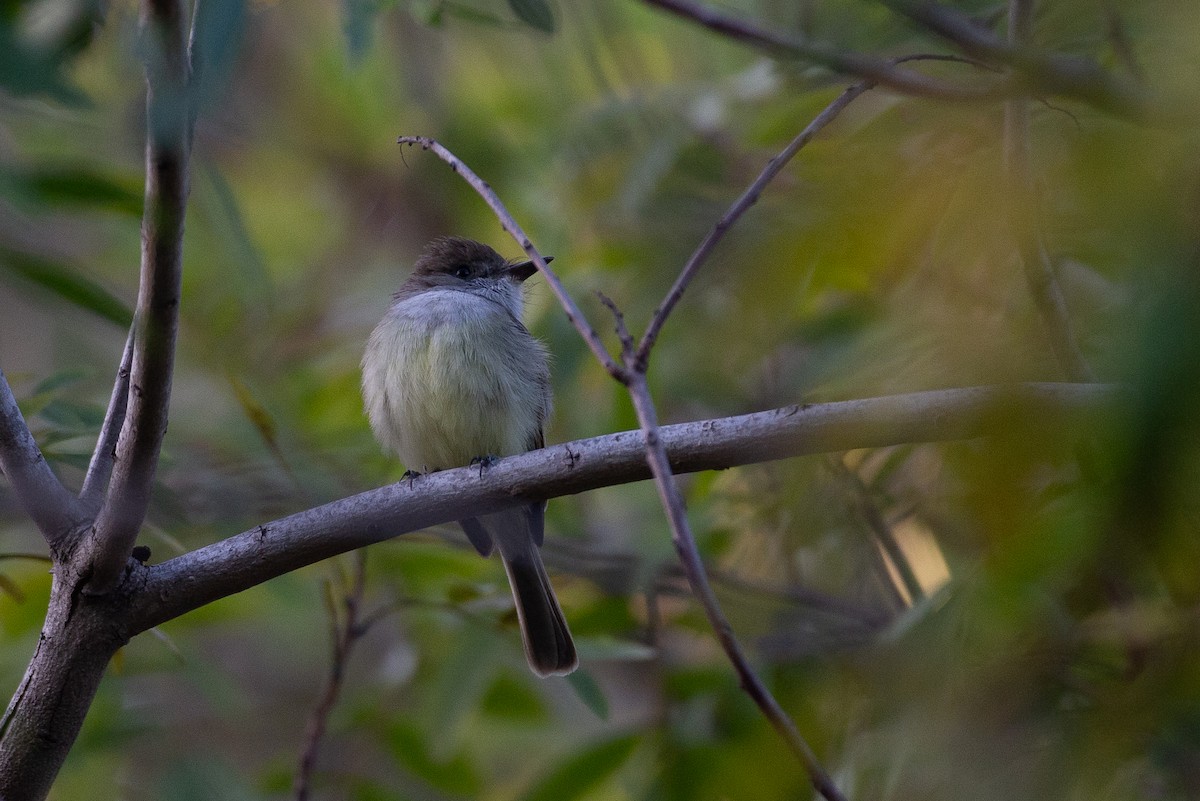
x: 693, y: 566
x: 346, y: 627
x: 1023, y: 216
x: 516, y: 232
x: 168, y: 145
x: 100, y: 468
x: 43, y: 497
x: 739, y: 207
x: 864, y: 505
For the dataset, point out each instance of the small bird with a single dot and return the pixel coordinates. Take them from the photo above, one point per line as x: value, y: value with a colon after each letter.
x: 452, y: 377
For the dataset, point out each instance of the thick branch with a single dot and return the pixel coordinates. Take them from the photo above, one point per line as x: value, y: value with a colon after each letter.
x: 252, y: 557
x: 168, y: 144
x: 40, y: 493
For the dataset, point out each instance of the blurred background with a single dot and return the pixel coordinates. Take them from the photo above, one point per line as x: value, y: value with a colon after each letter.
x: 993, y: 619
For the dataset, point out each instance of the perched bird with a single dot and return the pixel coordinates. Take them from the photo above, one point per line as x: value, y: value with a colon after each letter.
x: 451, y: 376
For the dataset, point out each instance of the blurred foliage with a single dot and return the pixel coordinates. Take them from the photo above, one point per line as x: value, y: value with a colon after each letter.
x: 1055, y: 651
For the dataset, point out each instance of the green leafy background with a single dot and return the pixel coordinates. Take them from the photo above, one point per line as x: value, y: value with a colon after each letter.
x: 1054, y: 654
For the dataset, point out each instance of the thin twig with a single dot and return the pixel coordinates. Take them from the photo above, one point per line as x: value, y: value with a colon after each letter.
x: 862, y: 504
x: 750, y: 197
x: 100, y: 468
x: 169, y: 122
x: 514, y: 230
x: 346, y: 628
x: 1023, y: 216
x: 43, y: 497
x: 739, y: 207
x: 693, y: 565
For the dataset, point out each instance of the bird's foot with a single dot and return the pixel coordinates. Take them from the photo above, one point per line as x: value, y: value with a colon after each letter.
x: 410, y: 476
x: 484, y: 462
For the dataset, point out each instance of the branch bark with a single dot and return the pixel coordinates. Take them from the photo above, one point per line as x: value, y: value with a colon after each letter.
x: 43, y: 497
x: 245, y: 560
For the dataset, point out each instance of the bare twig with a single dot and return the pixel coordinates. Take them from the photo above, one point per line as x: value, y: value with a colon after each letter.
x: 862, y: 503
x: 43, y: 497
x: 168, y: 146
x: 100, y: 467
x: 693, y: 566
x: 515, y: 231
x: 346, y: 627
x: 877, y: 70
x: 739, y: 207
x: 750, y: 197
x: 1023, y: 213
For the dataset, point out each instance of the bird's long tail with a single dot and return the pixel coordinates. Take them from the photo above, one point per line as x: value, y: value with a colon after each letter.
x: 548, y: 644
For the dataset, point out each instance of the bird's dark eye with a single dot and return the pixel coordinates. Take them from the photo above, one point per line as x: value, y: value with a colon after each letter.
x: 463, y: 272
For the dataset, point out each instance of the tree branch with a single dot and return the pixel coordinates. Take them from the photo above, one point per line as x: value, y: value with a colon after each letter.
x: 1042, y: 72
x: 168, y: 145
x: 245, y: 560
x: 874, y: 69
x: 43, y: 497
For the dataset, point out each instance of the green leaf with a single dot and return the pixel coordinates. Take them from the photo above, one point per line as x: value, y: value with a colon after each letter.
x: 358, y: 26
x: 218, y: 35
x: 76, y: 186
x: 534, y: 13
x: 589, y: 692
x: 69, y: 285
x: 579, y: 774
x: 512, y: 700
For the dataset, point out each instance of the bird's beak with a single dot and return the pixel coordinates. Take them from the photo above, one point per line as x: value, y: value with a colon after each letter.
x: 524, y: 269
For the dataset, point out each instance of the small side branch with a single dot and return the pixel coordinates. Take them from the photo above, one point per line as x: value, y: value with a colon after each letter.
x: 100, y: 467
x: 514, y: 230
x: 697, y: 576
x: 168, y: 147
x: 346, y: 627
x: 1023, y: 208
x: 739, y: 207
x: 51, y: 507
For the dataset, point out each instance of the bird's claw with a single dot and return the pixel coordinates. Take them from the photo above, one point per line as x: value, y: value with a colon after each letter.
x: 484, y: 462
